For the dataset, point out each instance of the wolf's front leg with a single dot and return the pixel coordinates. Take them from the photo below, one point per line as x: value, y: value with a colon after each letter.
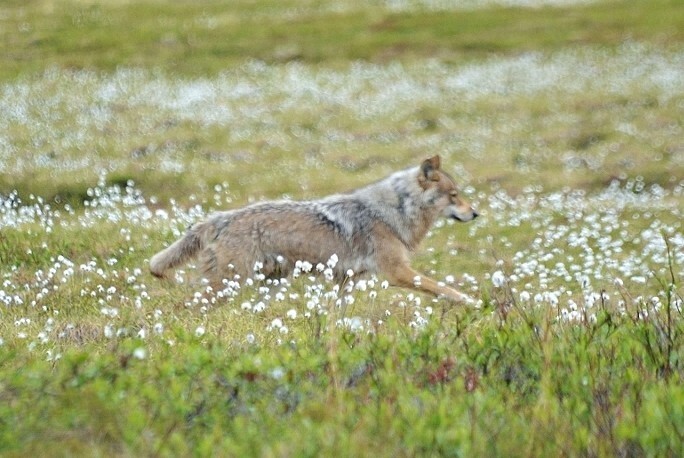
x: 427, y: 284
x: 406, y: 277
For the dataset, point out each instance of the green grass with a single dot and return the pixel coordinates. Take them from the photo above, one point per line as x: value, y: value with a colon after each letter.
x: 124, y: 122
x: 199, y: 39
x: 477, y: 385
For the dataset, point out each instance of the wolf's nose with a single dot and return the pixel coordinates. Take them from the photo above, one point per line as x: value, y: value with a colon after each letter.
x: 475, y: 214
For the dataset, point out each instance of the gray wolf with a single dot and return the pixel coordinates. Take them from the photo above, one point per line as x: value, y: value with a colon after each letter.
x: 371, y: 230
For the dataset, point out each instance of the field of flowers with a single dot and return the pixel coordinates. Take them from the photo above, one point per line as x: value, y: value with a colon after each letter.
x: 574, y: 157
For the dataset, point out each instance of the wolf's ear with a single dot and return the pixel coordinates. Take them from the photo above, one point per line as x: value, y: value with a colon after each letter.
x: 428, y: 169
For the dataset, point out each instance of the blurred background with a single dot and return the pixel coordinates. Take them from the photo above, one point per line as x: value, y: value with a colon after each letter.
x: 326, y: 95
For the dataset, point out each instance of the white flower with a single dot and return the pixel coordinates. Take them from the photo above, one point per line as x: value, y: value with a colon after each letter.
x: 498, y: 279
x: 199, y: 331
x: 277, y: 373
x: 277, y: 323
x: 140, y: 353
x: 260, y: 306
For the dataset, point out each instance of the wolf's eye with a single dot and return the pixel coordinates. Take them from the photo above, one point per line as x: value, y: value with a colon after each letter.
x: 454, y: 194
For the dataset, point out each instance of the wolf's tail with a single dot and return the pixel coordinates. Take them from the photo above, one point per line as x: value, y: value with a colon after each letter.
x: 178, y: 252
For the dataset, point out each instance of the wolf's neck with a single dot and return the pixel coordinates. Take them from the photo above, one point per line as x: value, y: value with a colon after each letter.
x: 398, y: 202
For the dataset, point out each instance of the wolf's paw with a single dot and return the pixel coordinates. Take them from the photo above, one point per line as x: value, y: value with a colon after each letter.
x: 467, y: 300
x: 459, y: 298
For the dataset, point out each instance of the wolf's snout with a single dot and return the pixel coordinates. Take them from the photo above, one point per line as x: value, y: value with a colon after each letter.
x: 475, y: 214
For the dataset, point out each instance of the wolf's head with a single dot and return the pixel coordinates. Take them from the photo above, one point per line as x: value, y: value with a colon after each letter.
x: 442, y: 193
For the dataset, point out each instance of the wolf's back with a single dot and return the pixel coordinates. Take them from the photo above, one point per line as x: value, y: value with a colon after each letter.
x: 178, y: 252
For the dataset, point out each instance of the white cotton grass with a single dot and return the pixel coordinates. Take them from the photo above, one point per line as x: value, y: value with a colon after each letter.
x: 566, y: 269
x: 258, y: 96
x: 567, y: 251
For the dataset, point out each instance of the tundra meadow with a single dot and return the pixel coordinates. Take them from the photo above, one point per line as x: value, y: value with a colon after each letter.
x: 121, y: 123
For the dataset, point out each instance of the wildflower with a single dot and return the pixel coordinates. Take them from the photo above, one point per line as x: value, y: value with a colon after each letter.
x: 354, y: 323
x: 498, y: 279
x: 199, y: 331
x: 139, y: 353
x: 277, y: 373
x: 277, y: 323
x: 260, y: 307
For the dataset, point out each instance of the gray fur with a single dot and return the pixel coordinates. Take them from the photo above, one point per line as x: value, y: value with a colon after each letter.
x: 370, y: 229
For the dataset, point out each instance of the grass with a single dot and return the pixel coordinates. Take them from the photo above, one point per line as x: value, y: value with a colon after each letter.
x: 189, y: 39
x: 124, y: 122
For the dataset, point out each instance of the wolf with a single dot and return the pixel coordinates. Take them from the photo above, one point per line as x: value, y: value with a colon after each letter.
x: 371, y: 230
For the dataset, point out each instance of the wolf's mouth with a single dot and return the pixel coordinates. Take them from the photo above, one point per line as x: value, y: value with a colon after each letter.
x: 458, y: 218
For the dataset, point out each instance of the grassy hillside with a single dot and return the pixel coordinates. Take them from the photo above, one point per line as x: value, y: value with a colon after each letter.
x: 124, y: 122
x: 200, y: 39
